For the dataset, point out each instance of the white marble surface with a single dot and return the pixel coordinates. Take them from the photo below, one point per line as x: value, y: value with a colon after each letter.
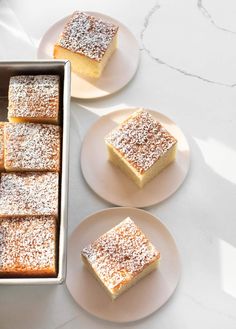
x: 188, y: 72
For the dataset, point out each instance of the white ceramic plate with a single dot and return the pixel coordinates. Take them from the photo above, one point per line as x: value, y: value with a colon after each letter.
x: 147, y: 295
x: 110, y: 183
x: 119, y: 70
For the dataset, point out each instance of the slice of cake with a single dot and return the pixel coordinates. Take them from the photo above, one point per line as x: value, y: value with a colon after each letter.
x: 120, y: 257
x: 28, y: 247
x: 1, y: 146
x: 28, y: 194
x: 141, y: 147
x: 34, y: 98
x: 31, y: 147
x: 87, y: 42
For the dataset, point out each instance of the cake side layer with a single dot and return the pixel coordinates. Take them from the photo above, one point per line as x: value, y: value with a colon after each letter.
x: 162, y: 163
x: 83, y: 65
x: 141, y: 179
x: 115, y: 292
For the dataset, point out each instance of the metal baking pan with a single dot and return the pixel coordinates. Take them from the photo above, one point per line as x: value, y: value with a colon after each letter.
x: 61, y: 68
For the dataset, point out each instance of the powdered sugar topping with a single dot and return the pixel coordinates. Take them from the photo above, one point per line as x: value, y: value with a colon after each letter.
x: 29, y: 194
x: 141, y: 139
x: 27, y: 243
x: 34, y: 96
x: 87, y: 35
x: 120, y: 254
x: 32, y: 146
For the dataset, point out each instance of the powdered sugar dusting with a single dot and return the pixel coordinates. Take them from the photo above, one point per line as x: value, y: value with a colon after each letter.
x: 30, y: 146
x: 27, y: 244
x: 120, y: 254
x: 34, y: 96
x: 87, y: 35
x: 24, y: 194
x: 141, y: 139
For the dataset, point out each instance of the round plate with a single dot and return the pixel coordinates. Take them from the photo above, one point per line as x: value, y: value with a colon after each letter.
x: 147, y: 295
x: 119, y: 70
x: 110, y: 183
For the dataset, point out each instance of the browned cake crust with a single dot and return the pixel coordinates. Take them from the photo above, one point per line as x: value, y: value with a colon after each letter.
x: 87, y: 35
x: 26, y: 194
x: 32, y: 147
x: 120, y: 255
x: 28, y: 247
x: 34, y: 98
x: 141, y: 140
x: 1, y: 145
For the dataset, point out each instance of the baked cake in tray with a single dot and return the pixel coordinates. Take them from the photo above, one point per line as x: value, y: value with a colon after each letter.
x: 34, y: 98
x: 28, y: 194
x: 141, y: 147
x: 1, y: 146
x: 31, y: 147
x: 87, y: 42
x: 120, y: 257
x: 28, y: 246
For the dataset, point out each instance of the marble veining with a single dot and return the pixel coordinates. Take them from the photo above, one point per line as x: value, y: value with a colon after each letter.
x: 153, y: 11
x: 182, y: 43
x: 207, y: 14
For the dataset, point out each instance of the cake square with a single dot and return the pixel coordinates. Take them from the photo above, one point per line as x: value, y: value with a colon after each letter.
x: 28, y: 247
x: 31, y: 147
x: 29, y: 194
x: 87, y: 42
x: 120, y: 257
x: 34, y: 98
x: 141, y: 147
x: 1, y: 146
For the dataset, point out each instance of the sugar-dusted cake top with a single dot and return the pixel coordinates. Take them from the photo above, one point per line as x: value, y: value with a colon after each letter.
x: 141, y: 140
x: 34, y: 96
x: 120, y: 254
x: 1, y: 144
x: 87, y: 35
x: 30, y: 146
x: 25, y: 194
x: 27, y: 244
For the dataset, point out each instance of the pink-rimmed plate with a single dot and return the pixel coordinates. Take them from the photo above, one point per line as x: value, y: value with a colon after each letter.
x: 110, y: 183
x: 119, y: 70
x: 149, y: 294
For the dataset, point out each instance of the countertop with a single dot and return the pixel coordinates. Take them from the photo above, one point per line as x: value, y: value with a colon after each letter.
x: 188, y: 72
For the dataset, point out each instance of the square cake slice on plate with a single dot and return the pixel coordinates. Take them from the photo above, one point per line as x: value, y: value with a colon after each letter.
x: 34, y: 98
x: 120, y: 257
x: 87, y: 42
x: 31, y: 147
x: 28, y: 246
x: 29, y: 194
x: 141, y: 147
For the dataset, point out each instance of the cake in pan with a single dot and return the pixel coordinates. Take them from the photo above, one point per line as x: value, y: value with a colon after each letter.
x: 88, y: 43
x: 120, y: 257
x: 141, y: 147
x: 34, y: 98
x: 31, y: 147
x: 28, y: 246
x: 29, y: 194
